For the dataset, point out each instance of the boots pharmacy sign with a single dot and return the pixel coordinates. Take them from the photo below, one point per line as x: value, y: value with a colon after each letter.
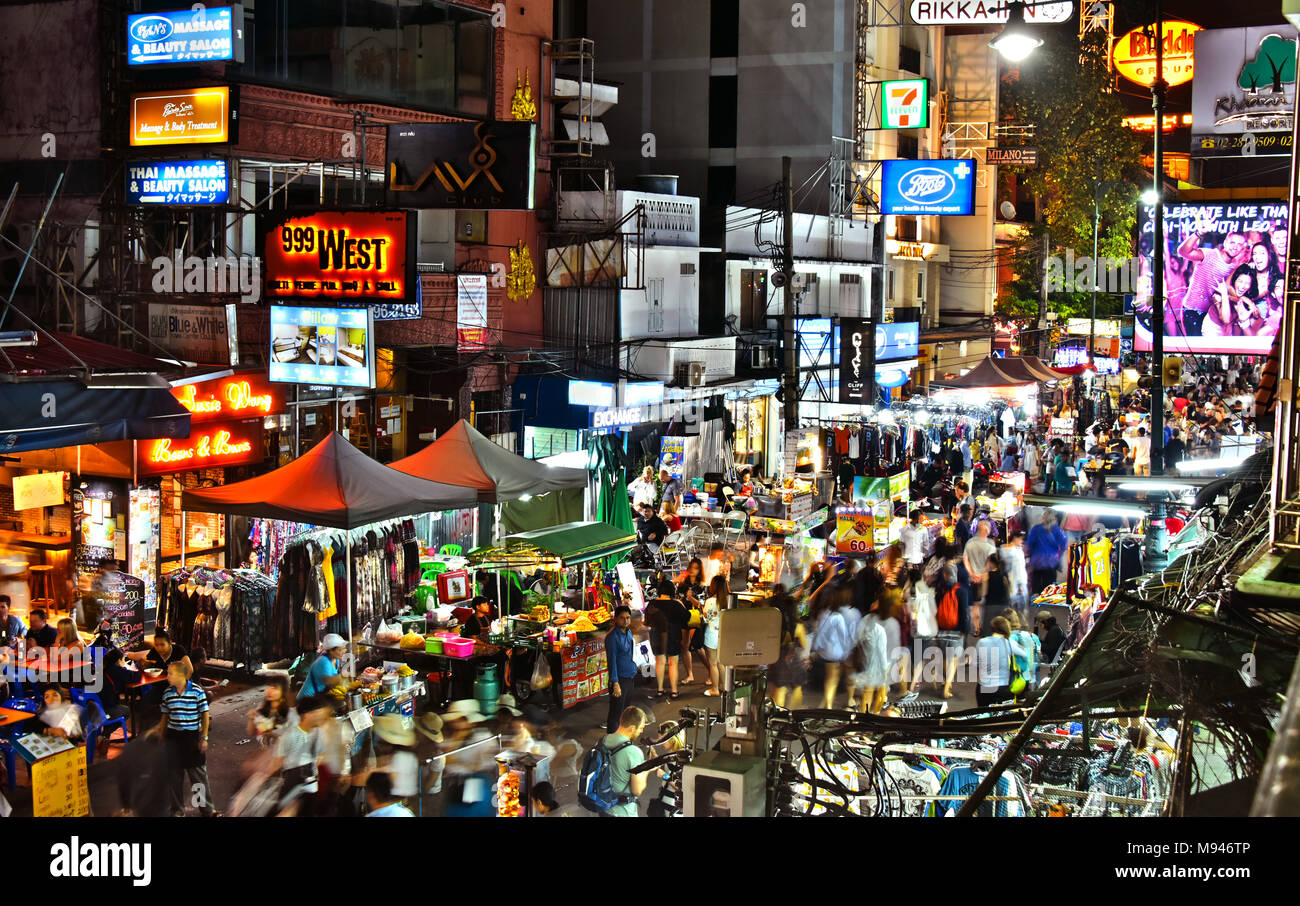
x: 358, y: 255
x: 983, y: 12
x: 1135, y: 54
x: 183, y: 116
x: 179, y: 182
x: 187, y: 36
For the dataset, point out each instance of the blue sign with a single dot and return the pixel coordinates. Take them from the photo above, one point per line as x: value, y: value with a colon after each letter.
x: 927, y: 187
x: 178, y: 182
x: 898, y: 340
x: 334, y: 347
x: 186, y: 36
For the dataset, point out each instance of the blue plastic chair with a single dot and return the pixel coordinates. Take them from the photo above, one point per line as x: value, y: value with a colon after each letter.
x: 98, y: 723
x: 11, y: 762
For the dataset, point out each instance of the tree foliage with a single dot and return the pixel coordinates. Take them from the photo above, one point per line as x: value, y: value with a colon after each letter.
x: 1064, y: 90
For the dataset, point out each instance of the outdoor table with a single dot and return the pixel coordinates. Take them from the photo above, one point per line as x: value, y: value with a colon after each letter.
x: 11, y: 716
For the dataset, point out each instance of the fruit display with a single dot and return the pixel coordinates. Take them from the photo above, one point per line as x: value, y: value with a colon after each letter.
x: 405, y: 669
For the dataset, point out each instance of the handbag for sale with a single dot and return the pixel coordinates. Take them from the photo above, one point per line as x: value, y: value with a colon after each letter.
x: 696, y: 618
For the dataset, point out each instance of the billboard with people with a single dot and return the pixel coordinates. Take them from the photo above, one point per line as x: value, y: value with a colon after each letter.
x: 1224, y: 285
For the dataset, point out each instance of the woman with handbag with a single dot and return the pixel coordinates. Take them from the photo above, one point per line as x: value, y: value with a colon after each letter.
x: 690, y: 590
x: 1027, y: 664
x: 714, y: 604
x: 996, y: 657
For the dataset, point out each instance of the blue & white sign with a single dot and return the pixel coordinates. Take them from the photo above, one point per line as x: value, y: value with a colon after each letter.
x: 898, y: 340
x: 178, y: 182
x: 913, y: 187
x: 208, y: 35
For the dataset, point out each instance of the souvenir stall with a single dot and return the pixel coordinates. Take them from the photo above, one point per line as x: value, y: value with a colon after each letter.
x: 351, y: 502
x: 567, y: 605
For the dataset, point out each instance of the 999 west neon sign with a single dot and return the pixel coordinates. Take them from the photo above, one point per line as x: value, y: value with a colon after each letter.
x: 341, y: 255
x: 227, y: 444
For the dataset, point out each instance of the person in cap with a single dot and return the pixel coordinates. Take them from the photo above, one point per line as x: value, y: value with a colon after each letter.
x: 395, y: 754
x: 1051, y: 635
x: 324, y: 673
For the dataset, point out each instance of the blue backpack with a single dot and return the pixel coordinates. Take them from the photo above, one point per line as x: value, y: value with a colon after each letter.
x: 595, y: 792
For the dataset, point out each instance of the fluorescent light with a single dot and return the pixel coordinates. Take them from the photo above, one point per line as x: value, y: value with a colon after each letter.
x: 199, y: 378
x: 1101, y: 508
x: 1156, y: 484
x: 1208, y: 465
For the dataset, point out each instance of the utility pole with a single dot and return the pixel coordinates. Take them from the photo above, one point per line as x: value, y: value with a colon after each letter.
x: 1158, y: 260
x: 791, y: 369
x: 1041, y: 344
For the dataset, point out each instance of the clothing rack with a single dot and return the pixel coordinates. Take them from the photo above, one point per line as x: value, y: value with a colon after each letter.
x: 1085, y: 794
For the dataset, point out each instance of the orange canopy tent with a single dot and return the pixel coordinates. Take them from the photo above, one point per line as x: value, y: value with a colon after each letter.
x: 467, y: 458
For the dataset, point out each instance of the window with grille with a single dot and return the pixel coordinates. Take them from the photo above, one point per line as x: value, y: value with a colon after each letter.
x: 654, y: 288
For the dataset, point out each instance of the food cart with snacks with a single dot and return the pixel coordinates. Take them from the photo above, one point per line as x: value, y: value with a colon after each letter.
x: 567, y: 608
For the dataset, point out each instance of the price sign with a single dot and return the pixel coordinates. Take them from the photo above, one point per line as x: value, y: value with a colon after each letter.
x: 854, y: 531
x: 59, y: 787
x: 584, y: 672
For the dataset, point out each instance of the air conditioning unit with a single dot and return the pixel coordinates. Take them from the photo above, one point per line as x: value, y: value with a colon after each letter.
x: 689, y: 374
x: 760, y: 357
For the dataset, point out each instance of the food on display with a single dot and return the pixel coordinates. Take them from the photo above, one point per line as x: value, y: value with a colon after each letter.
x: 413, y: 641
x: 508, y: 794
x: 540, y: 614
x: 405, y: 669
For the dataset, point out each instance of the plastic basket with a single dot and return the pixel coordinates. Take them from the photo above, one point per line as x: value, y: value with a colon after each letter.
x: 458, y: 647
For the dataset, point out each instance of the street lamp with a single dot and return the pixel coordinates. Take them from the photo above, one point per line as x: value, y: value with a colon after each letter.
x: 1017, y: 40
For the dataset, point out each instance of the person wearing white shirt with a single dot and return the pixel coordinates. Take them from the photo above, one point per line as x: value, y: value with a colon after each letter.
x: 643, y: 490
x: 913, y: 539
x: 1012, y: 560
x: 1141, y: 453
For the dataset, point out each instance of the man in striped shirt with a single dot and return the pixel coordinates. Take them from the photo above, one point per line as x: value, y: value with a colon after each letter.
x: 184, y: 728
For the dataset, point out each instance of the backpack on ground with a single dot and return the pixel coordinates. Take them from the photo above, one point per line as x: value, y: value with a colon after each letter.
x: 595, y: 789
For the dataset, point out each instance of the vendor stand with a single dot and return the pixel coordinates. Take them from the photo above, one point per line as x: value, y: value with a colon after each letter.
x: 556, y: 626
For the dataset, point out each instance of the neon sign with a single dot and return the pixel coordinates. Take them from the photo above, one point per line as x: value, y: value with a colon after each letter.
x: 342, y: 255
x: 241, y: 395
x: 229, y: 444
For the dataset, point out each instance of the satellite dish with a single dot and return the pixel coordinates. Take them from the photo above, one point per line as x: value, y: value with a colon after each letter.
x: 1008, y: 210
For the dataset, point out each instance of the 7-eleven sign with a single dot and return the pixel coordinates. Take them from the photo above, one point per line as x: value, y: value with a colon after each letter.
x: 905, y: 104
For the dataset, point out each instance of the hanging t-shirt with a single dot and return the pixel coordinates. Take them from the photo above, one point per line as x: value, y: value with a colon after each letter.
x: 1099, y: 562
x: 1008, y: 419
x: 842, y: 440
x: 919, y: 780
x: 855, y: 444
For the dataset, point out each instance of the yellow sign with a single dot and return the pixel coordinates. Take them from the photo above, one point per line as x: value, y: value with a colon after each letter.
x: 1135, y: 55
x: 44, y: 489
x: 59, y: 787
x: 853, y: 530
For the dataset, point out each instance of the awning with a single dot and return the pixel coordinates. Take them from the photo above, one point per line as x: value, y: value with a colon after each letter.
x: 333, y: 484
x: 987, y: 373
x: 571, y: 543
x: 1039, y: 367
x: 43, y: 415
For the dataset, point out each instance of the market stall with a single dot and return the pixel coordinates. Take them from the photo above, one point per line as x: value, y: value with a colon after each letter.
x: 564, y: 627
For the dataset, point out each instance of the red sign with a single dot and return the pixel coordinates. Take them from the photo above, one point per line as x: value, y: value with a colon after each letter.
x: 342, y: 255
x: 235, y: 443
x: 584, y: 672
x: 240, y: 396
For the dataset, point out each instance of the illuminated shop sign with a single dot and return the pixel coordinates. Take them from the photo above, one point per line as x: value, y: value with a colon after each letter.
x: 984, y: 12
x: 240, y: 396
x: 333, y: 347
x: 927, y: 187
x: 234, y: 443
x: 362, y: 255
x: 186, y: 116
x: 178, y: 182
x: 1135, y: 54
x: 462, y: 165
x: 905, y: 104
x: 199, y: 35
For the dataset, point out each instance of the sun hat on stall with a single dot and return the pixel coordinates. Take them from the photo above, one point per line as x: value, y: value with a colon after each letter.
x: 391, y: 728
x: 507, y: 701
x: 331, y: 641
x: 429, y: 726
x: 466, y: 708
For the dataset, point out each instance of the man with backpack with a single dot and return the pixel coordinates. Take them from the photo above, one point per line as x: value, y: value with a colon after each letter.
x: 607, y: 785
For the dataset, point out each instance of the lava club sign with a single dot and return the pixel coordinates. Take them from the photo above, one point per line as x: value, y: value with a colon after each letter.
x: 1135, y: 54
x: 234, y: 443
x: 341, y: 255
x: 240, y: 396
